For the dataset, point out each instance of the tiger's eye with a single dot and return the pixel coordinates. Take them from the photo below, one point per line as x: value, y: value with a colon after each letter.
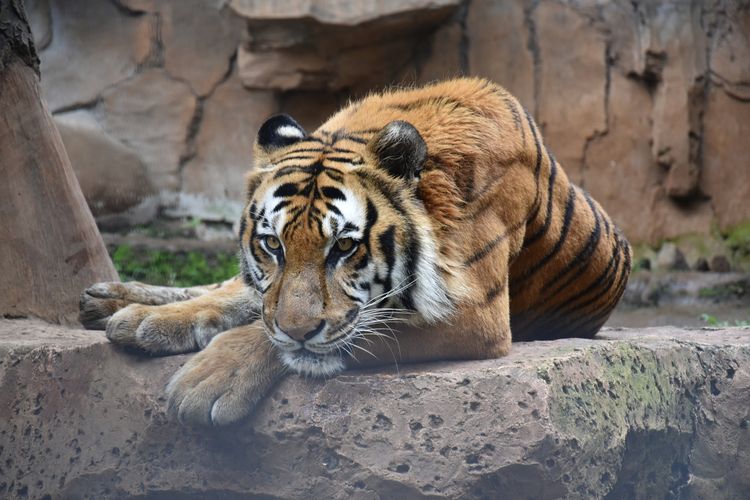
x: 345, y: 244
x: 273, y: 242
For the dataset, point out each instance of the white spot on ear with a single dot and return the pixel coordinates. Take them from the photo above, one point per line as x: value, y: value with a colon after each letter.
x: 289, y: 131
x: 394, y: 132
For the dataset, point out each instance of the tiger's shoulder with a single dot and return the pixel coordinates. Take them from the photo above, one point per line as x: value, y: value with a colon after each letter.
x: 472, y: 127
x: 488, y: 178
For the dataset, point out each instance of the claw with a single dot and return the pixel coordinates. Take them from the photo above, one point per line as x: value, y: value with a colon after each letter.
x: 109, y: 290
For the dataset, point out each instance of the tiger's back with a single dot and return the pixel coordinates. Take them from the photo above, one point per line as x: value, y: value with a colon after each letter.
x: 569, y: 263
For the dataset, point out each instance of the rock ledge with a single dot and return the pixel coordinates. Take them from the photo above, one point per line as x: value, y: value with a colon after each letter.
x: 648, y: 413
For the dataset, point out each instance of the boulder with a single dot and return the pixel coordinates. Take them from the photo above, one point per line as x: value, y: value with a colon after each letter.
x: 336, y: 12
x: 692, y: 291
x: 650, y: 413
x: 92, y: 47
x: 40, y: 18
x: 167, y: 36
x: 677, y: 41
x: 720, y: 264
x: 284, y: 70
x: 202, y: 61
x: 619, y: 169
x: 701, y: 264
x: 312, y: 67
x: 310, y: 108
x: 215, y: 176
x: 671, y: 258
x: 328, y: 45
x: 152, y: 114
x: 622, y: 154
x: 112, y: 177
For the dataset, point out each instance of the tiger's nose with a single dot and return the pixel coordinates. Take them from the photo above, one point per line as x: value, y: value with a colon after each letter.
x: 303, y: 332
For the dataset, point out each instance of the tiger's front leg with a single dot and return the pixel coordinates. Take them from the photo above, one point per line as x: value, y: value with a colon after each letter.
x: 187, y: 325
x: 224, y: 382
x: 479, y: 328
x: 474, y: 333
x: 100, y: 301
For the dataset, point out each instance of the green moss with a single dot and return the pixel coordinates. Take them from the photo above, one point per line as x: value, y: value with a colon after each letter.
x: 152, y: 231
x: 738, y: 239
x: 543, y: 373
x: 642, y: 251
x: 624, y: 385
x: 701, y: 243
x: 734, y: 243
x: 159, y: 267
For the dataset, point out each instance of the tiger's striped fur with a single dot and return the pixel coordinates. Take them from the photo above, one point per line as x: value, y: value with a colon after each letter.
x: 457, y: 215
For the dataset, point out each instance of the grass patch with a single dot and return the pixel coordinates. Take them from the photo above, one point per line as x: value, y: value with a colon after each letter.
x: 159, y: 267
x: 711, y: 320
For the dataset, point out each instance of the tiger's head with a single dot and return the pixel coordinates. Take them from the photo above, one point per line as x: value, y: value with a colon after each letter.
x: 334, y: 238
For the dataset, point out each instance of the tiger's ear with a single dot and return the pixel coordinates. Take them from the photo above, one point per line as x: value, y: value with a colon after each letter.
x: 400, y: 149
x: 278, y: 131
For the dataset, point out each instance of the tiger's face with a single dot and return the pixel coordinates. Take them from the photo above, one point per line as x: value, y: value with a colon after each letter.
x: 332, y: 234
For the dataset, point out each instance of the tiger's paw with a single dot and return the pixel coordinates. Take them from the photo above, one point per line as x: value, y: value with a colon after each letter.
x: 100, y: 301
x: 167, y: 329
x: 223, y: 383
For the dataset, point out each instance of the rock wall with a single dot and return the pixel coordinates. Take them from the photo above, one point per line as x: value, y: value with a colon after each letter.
x: 646, y: 103
x: 654, y: 413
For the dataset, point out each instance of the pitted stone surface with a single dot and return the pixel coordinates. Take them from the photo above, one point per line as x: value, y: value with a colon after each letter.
x: 634, y: 414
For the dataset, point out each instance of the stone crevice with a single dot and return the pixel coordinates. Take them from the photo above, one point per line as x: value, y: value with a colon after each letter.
x: 532, y: 45
x: 597, y: 134
x: 190, y: 135
x: 194, y: 126
x: 128, y: 10
x: 155, y: 56
x: 78, y: 106
x: 731, y: 88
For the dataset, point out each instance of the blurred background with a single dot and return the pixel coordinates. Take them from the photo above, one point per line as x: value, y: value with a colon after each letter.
x: 645, y: 103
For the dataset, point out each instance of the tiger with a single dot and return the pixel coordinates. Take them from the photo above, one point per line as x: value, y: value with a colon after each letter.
x: 416, y: 224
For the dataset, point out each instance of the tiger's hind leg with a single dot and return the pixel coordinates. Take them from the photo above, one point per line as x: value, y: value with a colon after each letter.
x: 186, y: 325
x: 100, y: 301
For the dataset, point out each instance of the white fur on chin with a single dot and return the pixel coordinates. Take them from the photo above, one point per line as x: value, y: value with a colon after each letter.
x: 321, y: 365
